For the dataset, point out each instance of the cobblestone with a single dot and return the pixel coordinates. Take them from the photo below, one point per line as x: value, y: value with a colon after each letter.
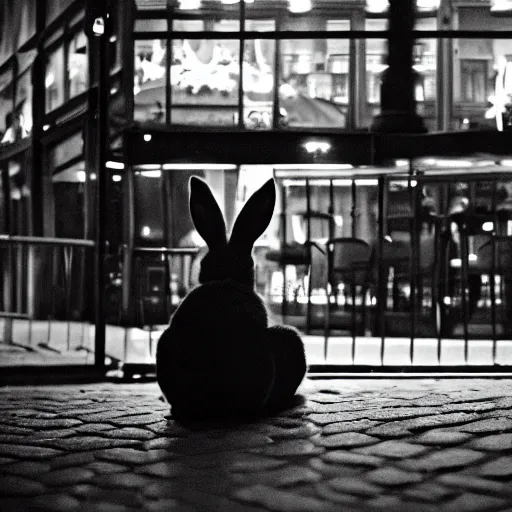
x: 353, y: 445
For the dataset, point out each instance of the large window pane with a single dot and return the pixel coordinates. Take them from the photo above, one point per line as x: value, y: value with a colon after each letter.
x: 24, y: 103
x: 149, y: 80
x: 54, y: 80
x: 258, y: 83
x: 482, y: 84
x: 149, y: 222
x: 313, y: 86
x: 6, y: 103
x: 375, y: 64
x: 71, y: 148
x: 77, y: 65
x: 68, y: 191
x: 205, y: 78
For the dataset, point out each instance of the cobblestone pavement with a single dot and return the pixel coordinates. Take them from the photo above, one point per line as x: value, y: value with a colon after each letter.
x: 411, y: 445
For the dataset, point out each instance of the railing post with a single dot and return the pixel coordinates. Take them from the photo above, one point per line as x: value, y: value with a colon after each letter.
x: 98, y: 26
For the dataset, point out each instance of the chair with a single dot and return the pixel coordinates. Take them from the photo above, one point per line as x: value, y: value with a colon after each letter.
x: 317, y: 228
x: 349, y: 261
x: 501, y: 266
x: 400, y: 263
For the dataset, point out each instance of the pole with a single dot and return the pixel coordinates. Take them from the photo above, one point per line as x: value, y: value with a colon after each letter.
x: 98, y: 27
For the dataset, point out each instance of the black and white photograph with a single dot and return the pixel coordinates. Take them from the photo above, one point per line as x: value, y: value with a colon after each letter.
x: 256, y: 255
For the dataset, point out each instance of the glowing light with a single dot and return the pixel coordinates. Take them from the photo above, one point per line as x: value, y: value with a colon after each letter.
x: 98, y: 27
x: 377, y: 5
x: 317, y: 146
x: 501, y: 5
x: 472, y: 257
x: 199, y: 167
x: 367, y: 182
x: 93, y: 176
x: 151, y: 174
x: 80, y: 176
x: 114, y: 165
x: 49, y: 80
x: 487, y: 226
x: 188, y: 5
x: 147, y: 137
x: 46, y: 127
x: 116, y: 177
x: 146, y: 231
x: 300, y: 6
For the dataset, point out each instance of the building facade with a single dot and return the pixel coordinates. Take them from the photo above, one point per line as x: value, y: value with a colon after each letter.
x: 234, y: 92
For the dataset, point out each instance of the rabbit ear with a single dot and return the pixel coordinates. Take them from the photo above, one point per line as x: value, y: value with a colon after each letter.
x: 255, y: 215
x: 206, y: 214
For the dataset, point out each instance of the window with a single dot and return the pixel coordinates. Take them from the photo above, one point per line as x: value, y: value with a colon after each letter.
x: 24, y: 103
x: 54, y: 80
x: 68, y: 193
x: 473, y: 80
x: 205, y: 75
x: 149, y: 226
x: 66, y: 65
x: 77, y: 65
x: 6, y: 105
x: 68, y: 179
x: 149, y: 80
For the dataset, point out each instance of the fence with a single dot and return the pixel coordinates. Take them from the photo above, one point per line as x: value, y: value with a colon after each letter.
x: 46, y: 299
x: 435, y: 284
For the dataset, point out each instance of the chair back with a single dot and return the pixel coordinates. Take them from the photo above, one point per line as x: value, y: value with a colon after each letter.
x: 502, y: 254
x: 398, y: 253
x: 349, y: 259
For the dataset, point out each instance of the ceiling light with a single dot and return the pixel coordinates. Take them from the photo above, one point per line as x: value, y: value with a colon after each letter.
x: 190, y: 5
x: 114, y: 165
x: 300, y: 6
x: 316, y: 147
x: 498, y: 6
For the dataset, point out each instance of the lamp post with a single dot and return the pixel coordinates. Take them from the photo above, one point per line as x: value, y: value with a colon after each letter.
x: 97, y: 29
x: 398, y: 104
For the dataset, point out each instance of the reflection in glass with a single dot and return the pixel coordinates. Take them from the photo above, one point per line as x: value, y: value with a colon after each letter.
x: 149, y: 80
x: 54, y: 80
x: 149, y: 228
x: 77, y: 65
x: 204, y: 81
x: 6, y: 110
x: 258, y: 83
x: 24, y: 103
x: 482, y: 85
x: 313, y: 87
x: 71, y: 148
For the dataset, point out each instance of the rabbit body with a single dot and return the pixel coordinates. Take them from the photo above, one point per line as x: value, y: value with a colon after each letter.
x: 219, y: 356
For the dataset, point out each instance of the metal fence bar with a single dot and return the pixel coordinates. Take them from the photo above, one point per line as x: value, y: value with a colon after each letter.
x: 465, y: 284
x: 381, y: 287
x: 309, y: 249
x: 492, y: 277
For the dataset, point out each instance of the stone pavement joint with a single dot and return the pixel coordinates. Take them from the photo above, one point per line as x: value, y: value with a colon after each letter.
x: 351, y: 445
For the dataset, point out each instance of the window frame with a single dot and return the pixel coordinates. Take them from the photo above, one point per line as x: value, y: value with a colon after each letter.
x: 354, y: 36
x: 70, y: 30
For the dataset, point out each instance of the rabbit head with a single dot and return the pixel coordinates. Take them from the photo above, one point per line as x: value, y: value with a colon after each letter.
x: 230, y: 259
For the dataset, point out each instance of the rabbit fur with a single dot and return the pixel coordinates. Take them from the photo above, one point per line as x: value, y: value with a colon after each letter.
x: 218, y: 356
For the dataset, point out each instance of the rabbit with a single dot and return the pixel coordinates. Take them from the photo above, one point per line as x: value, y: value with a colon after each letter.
x: 218, y: 357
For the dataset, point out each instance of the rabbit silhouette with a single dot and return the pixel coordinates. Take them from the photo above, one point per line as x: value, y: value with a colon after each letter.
x: 219, y: 356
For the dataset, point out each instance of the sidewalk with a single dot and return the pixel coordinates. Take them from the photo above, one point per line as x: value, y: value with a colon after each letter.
x: 398, y: 445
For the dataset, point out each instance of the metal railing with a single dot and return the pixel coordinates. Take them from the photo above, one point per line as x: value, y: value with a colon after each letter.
x: 417, y: 293
x: 46, y: 299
